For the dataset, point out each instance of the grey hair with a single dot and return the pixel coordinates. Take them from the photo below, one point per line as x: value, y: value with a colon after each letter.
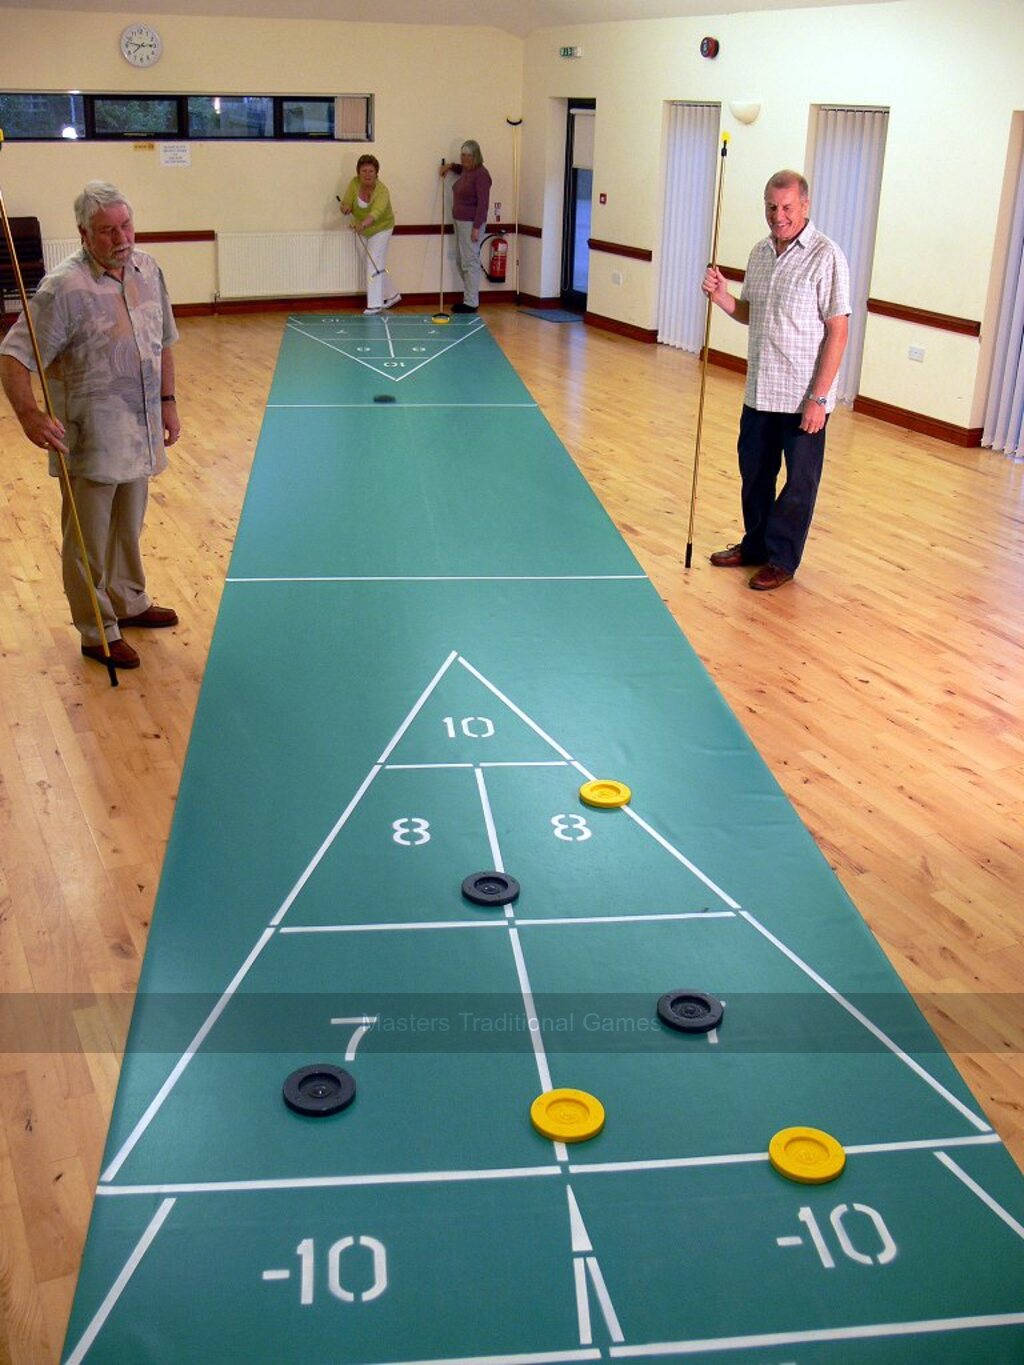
x: 473, y: 150
x: 781, y: 180
x: 97, y: 196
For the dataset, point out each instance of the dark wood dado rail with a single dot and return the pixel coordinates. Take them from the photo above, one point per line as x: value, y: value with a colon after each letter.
x: 432, y: 229
x: 635, y: 253
x: 943, y: 322
x: 200, y: 235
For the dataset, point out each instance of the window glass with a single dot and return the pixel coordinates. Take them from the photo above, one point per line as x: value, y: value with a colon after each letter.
x: 42, y: 116
x: 150, y: 116
x: 230, y: 116
x: 307, y: 118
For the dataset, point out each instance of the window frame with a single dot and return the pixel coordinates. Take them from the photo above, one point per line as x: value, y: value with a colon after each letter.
x: 183, y: 132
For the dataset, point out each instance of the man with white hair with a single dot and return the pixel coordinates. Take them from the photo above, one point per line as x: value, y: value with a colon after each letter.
x: 104, y: 326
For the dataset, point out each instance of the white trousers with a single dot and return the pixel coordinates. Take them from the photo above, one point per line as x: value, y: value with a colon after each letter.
x: 377, y: 286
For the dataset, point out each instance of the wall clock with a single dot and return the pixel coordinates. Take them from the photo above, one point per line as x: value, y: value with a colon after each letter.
x: 141, y: 45
x: 709, y: 47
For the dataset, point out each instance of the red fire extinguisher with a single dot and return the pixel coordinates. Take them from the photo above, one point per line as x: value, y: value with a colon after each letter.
x: 497, y: 258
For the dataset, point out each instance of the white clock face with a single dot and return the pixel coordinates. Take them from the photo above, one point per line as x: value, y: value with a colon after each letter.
x: 141, y: 45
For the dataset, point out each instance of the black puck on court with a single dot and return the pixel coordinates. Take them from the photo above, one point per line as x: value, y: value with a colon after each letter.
x: 690, y: 1011
x: 383, y: 397
x: 319, y: 1090
x: 490, y: 888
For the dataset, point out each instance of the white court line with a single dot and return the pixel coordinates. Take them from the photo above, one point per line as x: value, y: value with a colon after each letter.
x: 185, y: 1058
x: 117, y: 1288
x: 527, y: 1358
x: 381, y: 928
x: 753, y: 1158
x: 858, y: 1333
x: 873, y: 1029
x: 402, y: 407
x: 322, y: 1182
x: 515, y: 710
x: 447, y: 578
x: 457, y: 1177
x: 985, y: 1198
x: 680, y: 857
x: 417, y: 926
x: 492, y: 833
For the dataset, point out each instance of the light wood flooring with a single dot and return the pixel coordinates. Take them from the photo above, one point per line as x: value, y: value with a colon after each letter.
x: 884, y: 688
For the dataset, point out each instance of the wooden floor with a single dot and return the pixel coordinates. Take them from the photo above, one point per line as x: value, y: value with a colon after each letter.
x: 884, y: 687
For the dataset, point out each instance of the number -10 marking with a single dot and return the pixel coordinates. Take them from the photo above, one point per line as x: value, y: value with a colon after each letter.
x: 306, y: 1252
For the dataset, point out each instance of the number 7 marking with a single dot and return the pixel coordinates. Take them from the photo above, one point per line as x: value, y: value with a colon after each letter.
x: 365, y: 1022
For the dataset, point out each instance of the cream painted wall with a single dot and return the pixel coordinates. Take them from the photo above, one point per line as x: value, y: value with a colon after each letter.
x: 433, y: 88
x: 952, y: 76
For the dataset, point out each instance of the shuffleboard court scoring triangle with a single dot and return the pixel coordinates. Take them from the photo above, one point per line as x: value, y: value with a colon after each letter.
x: 393, y: 347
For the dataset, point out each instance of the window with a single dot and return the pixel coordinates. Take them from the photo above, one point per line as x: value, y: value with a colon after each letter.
x: 49, y: 117
x: 42, y: 116
x: 146, y: 116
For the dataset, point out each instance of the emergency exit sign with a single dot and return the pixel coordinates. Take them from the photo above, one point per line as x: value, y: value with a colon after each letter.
x: 570, y: 52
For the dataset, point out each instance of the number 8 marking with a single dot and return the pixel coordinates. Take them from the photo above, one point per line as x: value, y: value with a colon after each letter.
x: 411, y: 831
x: 573, y: 829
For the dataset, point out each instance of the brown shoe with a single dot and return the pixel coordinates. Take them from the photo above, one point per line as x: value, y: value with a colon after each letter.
x: 771, y: 576
x: 156, y: 618
x: 121, y: 654
x: 729, y: 558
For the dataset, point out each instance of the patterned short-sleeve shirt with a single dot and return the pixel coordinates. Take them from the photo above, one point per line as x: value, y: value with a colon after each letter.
x: 791, y: 297
x: 101, y: 341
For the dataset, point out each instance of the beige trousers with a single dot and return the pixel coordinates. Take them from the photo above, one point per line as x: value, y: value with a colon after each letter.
x: 111, y: 516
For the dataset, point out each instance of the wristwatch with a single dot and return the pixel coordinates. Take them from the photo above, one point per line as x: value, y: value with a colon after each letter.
x: 820, y: 401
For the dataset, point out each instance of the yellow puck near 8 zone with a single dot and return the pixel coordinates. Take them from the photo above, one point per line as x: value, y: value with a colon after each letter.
x: 567, y: 1115
x: 806, y: 1155
x: 605, y: 793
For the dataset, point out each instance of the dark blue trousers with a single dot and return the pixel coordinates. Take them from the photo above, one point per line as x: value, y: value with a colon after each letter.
x: 775, y: 527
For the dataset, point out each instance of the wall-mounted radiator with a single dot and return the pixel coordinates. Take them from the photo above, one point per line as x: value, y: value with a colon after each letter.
x: 268, y: 264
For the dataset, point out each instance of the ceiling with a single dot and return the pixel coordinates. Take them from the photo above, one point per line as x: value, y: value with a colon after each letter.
x: 520, y: 17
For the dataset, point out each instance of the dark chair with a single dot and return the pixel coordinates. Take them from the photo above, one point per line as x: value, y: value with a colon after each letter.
x: 28, y: 245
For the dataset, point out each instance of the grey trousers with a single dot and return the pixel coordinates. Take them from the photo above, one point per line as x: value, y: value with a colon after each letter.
x: 111, y: 517
x: 467, y: 254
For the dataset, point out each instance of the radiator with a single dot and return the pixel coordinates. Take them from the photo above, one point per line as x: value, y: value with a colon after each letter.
x: 267, y: 264
x: 57, y: 249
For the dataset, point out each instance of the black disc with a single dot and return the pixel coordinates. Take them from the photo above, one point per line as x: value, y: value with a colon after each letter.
x: 490, y: 888
x: 690, y: 1011
x: 383, y: 397
x: 319, y: 1090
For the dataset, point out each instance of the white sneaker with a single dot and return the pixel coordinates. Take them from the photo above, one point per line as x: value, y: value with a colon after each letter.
x: 370, y: 312
x: 390, y: 303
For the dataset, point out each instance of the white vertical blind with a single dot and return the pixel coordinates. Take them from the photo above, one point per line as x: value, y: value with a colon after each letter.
x: 690, y: 165
x: 846, y: 180
x: 1004, y: 410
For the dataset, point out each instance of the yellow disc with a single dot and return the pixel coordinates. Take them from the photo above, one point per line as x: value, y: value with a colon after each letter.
x: 806, y: 1155
x: 605, y: 793
x: 567, y: 1115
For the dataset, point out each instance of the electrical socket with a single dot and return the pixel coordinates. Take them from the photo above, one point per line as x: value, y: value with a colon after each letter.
x: 915, y: 353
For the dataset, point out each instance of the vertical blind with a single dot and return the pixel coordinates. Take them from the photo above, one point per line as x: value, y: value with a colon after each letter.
x: 1004, y: 410
x: 846, y: 180
x: 690, y: 163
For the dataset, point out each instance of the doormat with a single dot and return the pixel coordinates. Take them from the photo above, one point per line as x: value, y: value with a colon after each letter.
x: 553, y: 314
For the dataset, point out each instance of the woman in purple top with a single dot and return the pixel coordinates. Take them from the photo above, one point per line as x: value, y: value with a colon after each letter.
x: 470, y: 199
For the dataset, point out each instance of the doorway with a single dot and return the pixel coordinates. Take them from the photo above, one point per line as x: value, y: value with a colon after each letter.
x: 579, y: 181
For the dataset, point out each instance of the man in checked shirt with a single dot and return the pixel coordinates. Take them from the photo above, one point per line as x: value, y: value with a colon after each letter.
x: 796, y: 301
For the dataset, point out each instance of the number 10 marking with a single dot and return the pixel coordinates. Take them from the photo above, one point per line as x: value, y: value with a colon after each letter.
x: 306, y: 1252
x: 886, y: 1254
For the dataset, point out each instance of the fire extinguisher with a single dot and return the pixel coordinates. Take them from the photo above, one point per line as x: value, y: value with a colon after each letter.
x: 497, y: 258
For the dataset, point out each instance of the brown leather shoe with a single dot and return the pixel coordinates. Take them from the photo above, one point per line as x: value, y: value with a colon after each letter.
x: 768, y: 577
x: 729, y: 558
x: 121, y: 654
x: 156, y: 618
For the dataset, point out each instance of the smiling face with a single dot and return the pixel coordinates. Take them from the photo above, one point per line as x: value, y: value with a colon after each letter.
x: 786, y: 211
x: 110, y: 236
x: 367, y: 176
